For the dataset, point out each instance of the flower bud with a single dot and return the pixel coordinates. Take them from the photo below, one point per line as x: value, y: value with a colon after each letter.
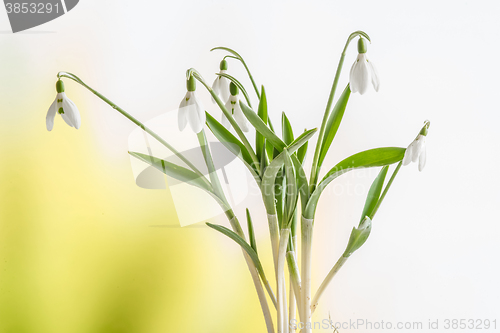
x: 59, y: 86
x: 362, y: 46
x: 233, y: 89
x: 425, y: 129
x: 223, y: 65
x: 191, y: 83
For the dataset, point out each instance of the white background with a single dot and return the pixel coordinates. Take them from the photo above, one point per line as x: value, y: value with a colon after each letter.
x: 433, y: 252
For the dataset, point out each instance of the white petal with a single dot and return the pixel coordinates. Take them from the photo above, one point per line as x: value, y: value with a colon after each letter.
x: 374, y: 75
x: 195, y: 114
x: 422, y: 158
x: 360, y: 75
x: 216, y: 87
x: 181, y: 114
x: 417, y: 147
x: 229, y: 108
x: 408, y: 153
x: 353, y: 84
x: 51, y: 114
x: 182, y: 118
x: 66, y: 119
x: 224, y: 88
x: 71, y: 111
x: 240, y: 118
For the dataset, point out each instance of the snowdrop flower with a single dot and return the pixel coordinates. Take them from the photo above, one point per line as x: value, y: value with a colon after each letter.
x: 221, y: 84
x: 363, y: 71
x: 63, y: 106
x: 233, y: 106
x: 416, y: 149
x: 191, y: 110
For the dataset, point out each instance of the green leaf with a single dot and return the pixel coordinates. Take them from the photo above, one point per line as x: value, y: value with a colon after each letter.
x: 374, y: 193
x: 260, y: 141
x: 251, y: 232
x: 244, y: 245
x: 301, y: 153
x: 175, y: 171
x: 232, y: 144
x: 333, y: 123
x: 366, y: 159
x: 287, y: 129
x: 358, y: 236
x: 291, y: 193
x: 262, y: 128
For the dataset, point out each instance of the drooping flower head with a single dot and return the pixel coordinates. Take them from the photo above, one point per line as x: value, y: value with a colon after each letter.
x: 221, y: 83
x: 233, y: 106
x: 191, y: 110
x: 362, y: 71
x: 65, y: 107
x: 416, y: 150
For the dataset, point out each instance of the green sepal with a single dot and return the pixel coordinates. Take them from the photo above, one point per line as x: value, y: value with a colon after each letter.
x: 362, y: 45
x: 191, y: 83
x: 358, y: 236
x: 233, y: 89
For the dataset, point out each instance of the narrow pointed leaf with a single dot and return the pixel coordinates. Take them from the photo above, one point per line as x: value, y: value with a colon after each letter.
x: 366, y: 159
x: 232, y: 144
x: 374, y: 193
x: 333, y: 123
x: 260, y: 141
x: 287, y: 129
x: 291, y: 193
x: 262, y: 128
x: 244, y: 245
x: 175, y: 171
x: 302, y: 152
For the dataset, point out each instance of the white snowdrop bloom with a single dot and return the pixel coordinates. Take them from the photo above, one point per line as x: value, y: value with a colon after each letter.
x: 363, y: 72
x: 65, y: 107
x: 233, y: 106
x: 191, y: 109
x: 417, y: 150
x: 221, y: 83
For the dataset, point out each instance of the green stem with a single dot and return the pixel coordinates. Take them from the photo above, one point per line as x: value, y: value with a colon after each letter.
x: 131, y: 118
x: 327, y: 281
x: 306, y: 231
x: 235, y: 225
x: 319, y: 143
x: 212, y: 172
x: 387, y: 187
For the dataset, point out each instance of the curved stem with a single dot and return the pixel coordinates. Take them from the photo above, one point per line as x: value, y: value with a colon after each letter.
x: 326, y: 282
x: 319, y: 143
x: 387, y: 187
x: 133, y: 119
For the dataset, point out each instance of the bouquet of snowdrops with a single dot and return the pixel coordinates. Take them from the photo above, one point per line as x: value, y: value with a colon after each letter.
x: 277, y: 166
